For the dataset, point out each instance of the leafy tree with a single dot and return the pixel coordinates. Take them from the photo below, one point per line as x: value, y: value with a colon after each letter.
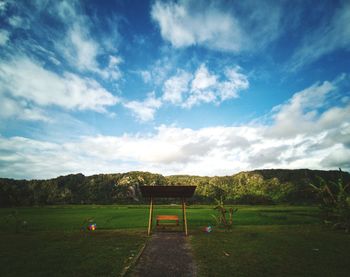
x: 253, y: 187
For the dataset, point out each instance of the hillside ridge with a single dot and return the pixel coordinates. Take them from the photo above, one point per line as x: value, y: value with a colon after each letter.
x: 247, y: 187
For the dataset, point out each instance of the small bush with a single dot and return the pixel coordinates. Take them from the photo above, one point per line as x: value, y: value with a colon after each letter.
x: 335, y: 202
x: 221, y: 219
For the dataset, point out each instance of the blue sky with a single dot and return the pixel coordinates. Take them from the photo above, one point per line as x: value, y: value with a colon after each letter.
x: 173, y: 87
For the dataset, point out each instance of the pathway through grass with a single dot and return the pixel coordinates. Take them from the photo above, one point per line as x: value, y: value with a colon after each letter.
x: 166, y: 254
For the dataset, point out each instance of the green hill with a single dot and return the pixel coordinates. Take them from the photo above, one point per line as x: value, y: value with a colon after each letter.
x: 250, y: 187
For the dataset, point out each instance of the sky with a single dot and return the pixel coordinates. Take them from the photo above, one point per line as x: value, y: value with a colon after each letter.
x: 173, y: 87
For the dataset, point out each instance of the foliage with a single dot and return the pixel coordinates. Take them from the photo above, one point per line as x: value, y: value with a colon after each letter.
x: 254, y: 187
x: 221, y: 219
x: 335, y: 202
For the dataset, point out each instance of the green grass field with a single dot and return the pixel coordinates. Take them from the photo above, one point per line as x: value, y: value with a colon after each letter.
x: 265, y: 241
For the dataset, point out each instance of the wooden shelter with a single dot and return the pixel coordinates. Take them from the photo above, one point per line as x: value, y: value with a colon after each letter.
x: 182, y: 192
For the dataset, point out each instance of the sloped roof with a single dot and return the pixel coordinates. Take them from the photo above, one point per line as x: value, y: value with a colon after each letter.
x: 168, y: 191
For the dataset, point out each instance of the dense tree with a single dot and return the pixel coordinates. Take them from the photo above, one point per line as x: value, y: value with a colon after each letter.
x: 252, y: 187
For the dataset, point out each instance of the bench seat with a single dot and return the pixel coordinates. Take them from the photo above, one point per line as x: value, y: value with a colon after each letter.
x: 167, y: 218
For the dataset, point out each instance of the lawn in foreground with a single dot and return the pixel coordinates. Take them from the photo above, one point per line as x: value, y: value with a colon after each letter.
x: 57, y: 253
x: 273, y: 250
x: 265, y: 241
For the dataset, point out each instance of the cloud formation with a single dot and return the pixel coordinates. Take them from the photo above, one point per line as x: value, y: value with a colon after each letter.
x: 79, y: 49
x: 25, y: 79
x: 187, y: 90
x: 301, y: 112
x: 331, y: 35
x: 144, y: 110
x: 4, y: 37
x: 176, y: 86
x: 184, y: 27
x: 324, y: 144
x: 63, y: 62
x: 217, y: 26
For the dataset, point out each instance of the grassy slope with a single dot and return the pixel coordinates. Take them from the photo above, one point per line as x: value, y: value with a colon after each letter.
x: 265, y: 241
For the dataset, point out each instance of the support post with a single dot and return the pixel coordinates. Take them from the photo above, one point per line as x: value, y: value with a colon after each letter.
x: 184, y: 216
x: 150, y: 219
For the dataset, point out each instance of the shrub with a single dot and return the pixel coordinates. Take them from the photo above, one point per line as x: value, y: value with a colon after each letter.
x: 335, y: 202
x: 221, y: 219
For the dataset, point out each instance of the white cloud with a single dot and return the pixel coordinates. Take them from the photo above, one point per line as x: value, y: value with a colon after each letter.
x: 11, y: 108
x: 144, y: 110
x: 328, y: 37
x: 113, y: 67
x: 55, y: 64
x: 80, y: 46
x: 235, y: 82
x: 112, y: 72
x: 73, y: 39
x: 300, y: 114
x: 187, y: 90
x: 3, y: 5
x: 197, y: 97
x: 23, y: 78
x: 4, y: 37
x: 183, y: 27
x: 159, y: 71
x: 16, y: 21
x: 219, y: 150
x: 338, y: 158
x: 79, y: 49
x: 211, y: 151
x: 146, y: 76
x: 170, y: 150
x: 175, y: 86
x: 203, y: 79
x: 247, y: 25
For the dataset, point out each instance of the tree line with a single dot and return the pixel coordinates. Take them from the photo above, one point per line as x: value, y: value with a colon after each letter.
x: 267, y: 186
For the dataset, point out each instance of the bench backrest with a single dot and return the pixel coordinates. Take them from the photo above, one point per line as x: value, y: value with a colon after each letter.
x: 167, y: 217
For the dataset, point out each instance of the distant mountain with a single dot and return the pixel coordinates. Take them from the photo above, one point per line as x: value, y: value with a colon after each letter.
x: 250, y: 187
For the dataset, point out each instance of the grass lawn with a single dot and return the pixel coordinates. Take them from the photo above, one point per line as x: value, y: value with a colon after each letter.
x: 57, y: 253
x: 265, y: 241
x: 275, y: 250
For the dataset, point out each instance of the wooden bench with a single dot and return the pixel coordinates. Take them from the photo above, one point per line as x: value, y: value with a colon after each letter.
x: 167, y: 218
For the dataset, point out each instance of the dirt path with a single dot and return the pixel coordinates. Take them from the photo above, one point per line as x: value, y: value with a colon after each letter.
x: 166, y: 254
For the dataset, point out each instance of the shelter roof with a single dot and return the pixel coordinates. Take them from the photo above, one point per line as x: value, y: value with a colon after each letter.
x: 168, y: 191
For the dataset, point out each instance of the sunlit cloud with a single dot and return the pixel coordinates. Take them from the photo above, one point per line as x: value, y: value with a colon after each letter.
x: 26, y: 79
x: 215, y: 150
x: 146, y: 109
x: 187, y: 89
